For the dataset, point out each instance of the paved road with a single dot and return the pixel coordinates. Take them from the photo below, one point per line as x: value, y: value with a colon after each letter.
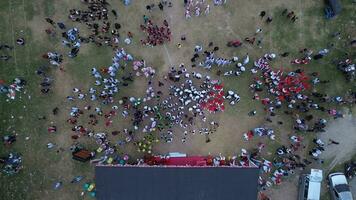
x: 353, y: 187
x: 343, y: 131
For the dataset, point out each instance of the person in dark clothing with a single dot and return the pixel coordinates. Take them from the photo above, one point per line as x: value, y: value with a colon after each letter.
x: 5, y: 57
x: 114, y: 13
x: 148, y: 7
x: 285, y: 54
x: 160, y: 6
x: 61, y: 25
x: 284, y: 11
x: 117, y: 26
x: 45, y: 90
x: 207, y: 140
x: 45, y: 84
x: 55, y: 111
x: 262, y: 13
x: 269, y: 20
x: 49, y: 20
x: 74, y: 52
x: 333, y: 142
x: 299, y: 70
x: 294, y: 18
x: 318, y: 56
x: 5, y: 46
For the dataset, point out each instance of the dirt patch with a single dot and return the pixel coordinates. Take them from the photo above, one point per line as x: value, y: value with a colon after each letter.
x: 228, y: 139
x: 287, y: 190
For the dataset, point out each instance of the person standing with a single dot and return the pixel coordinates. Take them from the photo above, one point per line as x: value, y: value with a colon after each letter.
x: 284, y: 12
x: 269, y: 20
x: 207, y: 10
x: 262, y: 13
x: 160, y: 6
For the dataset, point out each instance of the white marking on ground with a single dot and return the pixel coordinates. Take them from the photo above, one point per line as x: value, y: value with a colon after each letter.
x: 168, y: 55
x: 26, y: 46
x: 302, y: 25
x: 13, y: 34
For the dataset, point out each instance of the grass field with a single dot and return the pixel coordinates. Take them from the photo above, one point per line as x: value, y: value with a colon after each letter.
x: 238, y: 19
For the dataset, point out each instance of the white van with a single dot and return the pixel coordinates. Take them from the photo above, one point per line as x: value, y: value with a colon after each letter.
x: 310, y: 185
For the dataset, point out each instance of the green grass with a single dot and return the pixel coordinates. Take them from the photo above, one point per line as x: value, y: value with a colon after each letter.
x: 43, y: 167
x: 49, y: 8
x: 32, y: 177
x: 340, y: 167
x: 29, y: 10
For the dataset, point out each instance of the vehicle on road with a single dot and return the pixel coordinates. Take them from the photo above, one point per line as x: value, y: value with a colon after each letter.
x: 339, y: 187
x: 310, y: 184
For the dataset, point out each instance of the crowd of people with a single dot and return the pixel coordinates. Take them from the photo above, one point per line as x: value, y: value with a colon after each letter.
x: 182, y: 102
x: 348, y: 67
x: 196, y: 8
x: 156, y: 35
x: 188, y: 95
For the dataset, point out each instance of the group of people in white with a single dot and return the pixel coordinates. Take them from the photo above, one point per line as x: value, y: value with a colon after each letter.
x: 196, y: 8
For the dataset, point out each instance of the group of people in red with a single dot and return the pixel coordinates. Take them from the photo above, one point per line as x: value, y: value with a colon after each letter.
x: 156, y: 35
x: 293, y: 83
x: 215, y: 99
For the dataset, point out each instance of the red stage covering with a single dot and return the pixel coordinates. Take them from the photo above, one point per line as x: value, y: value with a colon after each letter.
x: 191, y: 161
x: 180, y: 161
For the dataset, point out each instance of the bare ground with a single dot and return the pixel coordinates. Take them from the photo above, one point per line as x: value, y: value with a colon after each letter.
x: 287, y: 190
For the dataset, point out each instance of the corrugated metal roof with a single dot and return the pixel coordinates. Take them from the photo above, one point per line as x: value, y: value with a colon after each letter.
x: 176, y: 183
